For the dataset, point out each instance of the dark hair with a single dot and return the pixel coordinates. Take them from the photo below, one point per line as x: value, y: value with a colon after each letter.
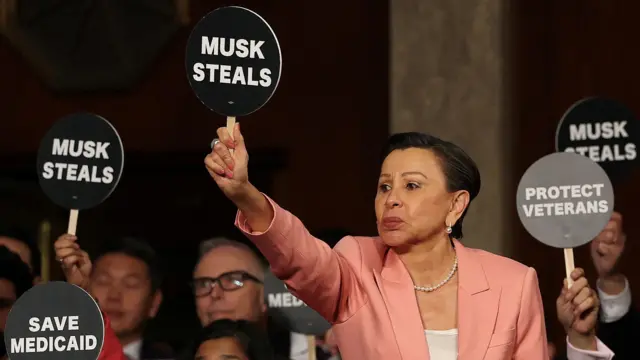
x: 459, y: 169
x: 21, y: 235
x: 253, y: 340
x: 15, y: 270
x: 138, y: 249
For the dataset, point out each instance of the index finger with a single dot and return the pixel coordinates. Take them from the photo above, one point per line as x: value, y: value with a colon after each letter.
x: 225, y: 137
x: 577, y: 273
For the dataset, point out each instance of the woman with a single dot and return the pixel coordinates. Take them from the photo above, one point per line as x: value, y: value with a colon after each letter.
x: 386, y: 295
x: 228, y: 339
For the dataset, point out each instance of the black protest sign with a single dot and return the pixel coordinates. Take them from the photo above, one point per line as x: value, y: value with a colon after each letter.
x: 564, y: 200
x: 603, y: 130
x: 299, y: 317
x: 80, y: 161
x: 54, y: 321
x: 233, y: 61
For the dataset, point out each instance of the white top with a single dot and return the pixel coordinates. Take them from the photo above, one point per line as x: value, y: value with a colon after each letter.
x: 443, y: 344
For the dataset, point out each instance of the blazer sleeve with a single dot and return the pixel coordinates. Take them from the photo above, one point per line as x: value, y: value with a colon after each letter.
x: 531, y: 335
x: 111, y: 348
x: 319, y: 276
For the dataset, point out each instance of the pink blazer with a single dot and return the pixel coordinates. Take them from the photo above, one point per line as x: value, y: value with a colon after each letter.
x: 362, y: 287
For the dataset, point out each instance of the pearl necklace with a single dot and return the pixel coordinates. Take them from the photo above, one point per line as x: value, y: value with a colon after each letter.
x: 446, y: 280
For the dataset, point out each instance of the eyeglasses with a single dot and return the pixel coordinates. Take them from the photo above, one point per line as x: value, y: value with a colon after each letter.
x: 229, y: 281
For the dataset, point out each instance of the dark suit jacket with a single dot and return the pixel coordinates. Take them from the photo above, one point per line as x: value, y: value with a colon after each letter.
x: 620, y: 336
x: 156, y: 351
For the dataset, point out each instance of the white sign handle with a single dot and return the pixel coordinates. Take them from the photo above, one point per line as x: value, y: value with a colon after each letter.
x: 231, y: 124
x: 311, y: 343
x: 73, y: 222
x: 569, y: 265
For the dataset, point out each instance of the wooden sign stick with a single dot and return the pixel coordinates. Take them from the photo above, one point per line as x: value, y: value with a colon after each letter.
x: 44, y: 243
x: 231, y: 124
x: 311, y: 343
x: 73, y: 222
x: 569, y: 265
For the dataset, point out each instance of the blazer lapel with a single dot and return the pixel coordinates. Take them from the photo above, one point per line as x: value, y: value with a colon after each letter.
x: 396, y: 288
x: 477, y: 306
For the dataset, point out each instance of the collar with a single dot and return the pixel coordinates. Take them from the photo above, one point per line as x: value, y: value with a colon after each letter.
x: 133, y: 350
x: 471, y: 276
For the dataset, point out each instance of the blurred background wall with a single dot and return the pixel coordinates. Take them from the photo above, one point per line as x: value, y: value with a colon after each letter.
x: 447, y: 76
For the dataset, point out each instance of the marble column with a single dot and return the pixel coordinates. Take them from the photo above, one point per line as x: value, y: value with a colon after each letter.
x: 447, y: 76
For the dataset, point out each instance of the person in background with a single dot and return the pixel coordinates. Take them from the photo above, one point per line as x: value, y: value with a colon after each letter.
x: 577, y: 310
x: 125, y: 281
x: 228, y: 284
x: 20, y: 242
x: 619, y: 321
x: 15, y: 279
x: 231, y: 340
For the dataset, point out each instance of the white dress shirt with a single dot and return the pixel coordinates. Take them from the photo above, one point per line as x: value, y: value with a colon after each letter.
x: 614, y: 307
x: 132, y: 350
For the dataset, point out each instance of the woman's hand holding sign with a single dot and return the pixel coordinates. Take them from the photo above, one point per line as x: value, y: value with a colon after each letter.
x: 577, y: 308
x: 228, y: 169
x: 228, y: 166
x: 75, y: 262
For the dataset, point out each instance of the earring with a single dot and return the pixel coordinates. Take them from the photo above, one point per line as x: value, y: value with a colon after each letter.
x: 448, y: 229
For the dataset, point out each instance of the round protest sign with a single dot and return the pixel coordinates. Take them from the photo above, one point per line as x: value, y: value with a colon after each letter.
x: 80, y: 161
x: 603, y: 130
x: 564, y: 200
x: 54, y: 321
x: 233, y: 61
x: 299, y: 317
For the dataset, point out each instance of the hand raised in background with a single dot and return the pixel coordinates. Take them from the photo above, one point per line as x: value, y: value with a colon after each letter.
x: 75, y: 262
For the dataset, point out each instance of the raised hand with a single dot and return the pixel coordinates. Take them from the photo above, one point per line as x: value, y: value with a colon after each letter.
x: 75, y: 262
x: 608, y: 246
x: 227, y: 163
x: 577, y: 309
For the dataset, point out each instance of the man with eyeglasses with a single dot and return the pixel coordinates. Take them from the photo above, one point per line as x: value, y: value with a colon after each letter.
x: 228, y: 284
